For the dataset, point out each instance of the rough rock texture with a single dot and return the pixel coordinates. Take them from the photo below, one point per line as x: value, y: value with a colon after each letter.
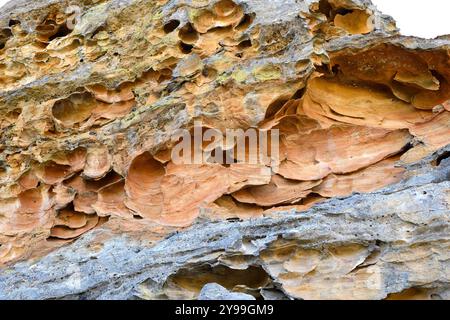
x: 214, y: 291
x: 93, y: 205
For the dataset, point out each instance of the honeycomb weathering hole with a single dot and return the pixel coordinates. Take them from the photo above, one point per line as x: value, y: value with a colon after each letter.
x: 245, y: 23
x: 74, y: 110
x: 143, y: 186
x: 204, y: 21
x: 355, y: 22
x: 359, y: 105
x: 98, y: 162
x: 419, y: 78
x: 185, y: 48
x: 278, y: 191
x: 442, y: 157
x: 70, y: 224
x: 5, y: 34
x: 186, y: 284
x: 171, y: 26
x: 56, y: 25
x: 122, y: 93
x: 224, y: 8
x: 62, y: 32
x: 223, y: 14
x: 188, y: 34
x: 52, y: 173
x: 13, y: 23
x: 31, y: 201
x: 96, y: 106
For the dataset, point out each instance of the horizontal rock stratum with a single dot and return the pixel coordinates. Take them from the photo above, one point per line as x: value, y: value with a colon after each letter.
x: 353, y: 202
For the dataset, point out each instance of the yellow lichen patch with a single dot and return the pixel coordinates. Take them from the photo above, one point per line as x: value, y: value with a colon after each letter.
x: 267, y: 72
x: 239, y: 76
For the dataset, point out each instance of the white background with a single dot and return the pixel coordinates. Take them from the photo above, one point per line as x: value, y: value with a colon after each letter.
x: 421, y: 18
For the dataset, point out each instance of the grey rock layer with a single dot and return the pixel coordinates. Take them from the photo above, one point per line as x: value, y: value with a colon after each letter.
x: 214, y: 291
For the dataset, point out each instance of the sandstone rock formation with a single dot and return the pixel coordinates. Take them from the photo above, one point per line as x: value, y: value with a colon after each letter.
x: 214, y: 291
x: 93, y: 204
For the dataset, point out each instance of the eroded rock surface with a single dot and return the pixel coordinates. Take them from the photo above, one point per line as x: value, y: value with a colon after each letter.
x: 94, y: 205
x: 214, y: 291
